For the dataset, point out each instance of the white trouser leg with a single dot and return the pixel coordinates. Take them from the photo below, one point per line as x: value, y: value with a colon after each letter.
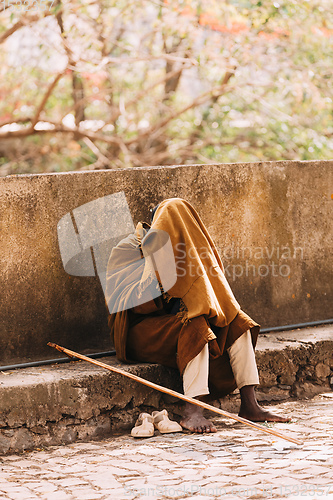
x: 195, y: 376
x: 243, y: 361
x: 243, y: 364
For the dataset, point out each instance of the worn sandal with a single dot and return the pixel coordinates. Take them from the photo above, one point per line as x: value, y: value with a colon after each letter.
x: 144, y: 426
x: 163, y: 424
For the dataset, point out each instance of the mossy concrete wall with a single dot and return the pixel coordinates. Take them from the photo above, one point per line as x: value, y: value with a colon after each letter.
x: 271, y: 222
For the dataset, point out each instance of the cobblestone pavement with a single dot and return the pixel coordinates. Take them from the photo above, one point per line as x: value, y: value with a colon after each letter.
x: 236, y: 462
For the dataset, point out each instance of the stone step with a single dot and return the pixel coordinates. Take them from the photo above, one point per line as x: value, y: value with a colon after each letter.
x: 59, y: 404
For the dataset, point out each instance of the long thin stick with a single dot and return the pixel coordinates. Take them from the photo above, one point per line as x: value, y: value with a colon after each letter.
x: 174, y: 393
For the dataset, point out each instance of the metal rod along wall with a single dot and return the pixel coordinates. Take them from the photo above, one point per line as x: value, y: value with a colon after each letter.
x: 113, y: 353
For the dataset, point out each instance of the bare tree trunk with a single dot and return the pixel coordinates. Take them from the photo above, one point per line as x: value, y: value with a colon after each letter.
x: 78, y: 95
x: 78, y: 92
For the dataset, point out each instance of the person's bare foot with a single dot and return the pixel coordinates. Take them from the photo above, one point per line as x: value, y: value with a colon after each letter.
x: 260, y: 415
x: 194, y: 421
x: 252, y: 411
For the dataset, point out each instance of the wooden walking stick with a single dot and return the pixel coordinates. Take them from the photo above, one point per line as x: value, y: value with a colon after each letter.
x: 73, y: 354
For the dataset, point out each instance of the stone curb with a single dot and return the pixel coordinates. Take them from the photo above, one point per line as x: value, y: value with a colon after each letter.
x: 60, y: 404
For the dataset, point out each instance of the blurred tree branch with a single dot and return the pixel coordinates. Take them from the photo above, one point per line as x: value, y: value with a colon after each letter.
x: 164, y: 83
x: 25, y: 20
x: 58, y: 128
x: 46, y: 97
x: 213, y: 93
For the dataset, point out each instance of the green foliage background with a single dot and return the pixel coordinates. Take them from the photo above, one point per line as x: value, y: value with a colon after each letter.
x: 164, y: 82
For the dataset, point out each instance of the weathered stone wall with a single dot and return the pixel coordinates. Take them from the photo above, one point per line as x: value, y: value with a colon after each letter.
x: 271, y: 222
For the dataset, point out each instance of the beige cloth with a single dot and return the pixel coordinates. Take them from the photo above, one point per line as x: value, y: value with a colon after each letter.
x: 243, y: 365
x: 195, y: 376
x: 243, y: 361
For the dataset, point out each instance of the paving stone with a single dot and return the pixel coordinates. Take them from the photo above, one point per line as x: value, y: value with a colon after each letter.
x: 59, y: 495
x: 70, y: 481
x: 88, y: 494
x: 20, y: 493
x: 46, y: 488
x: 105, y: 483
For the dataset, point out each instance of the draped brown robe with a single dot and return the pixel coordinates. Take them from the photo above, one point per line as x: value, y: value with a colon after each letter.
x: 140, y: 327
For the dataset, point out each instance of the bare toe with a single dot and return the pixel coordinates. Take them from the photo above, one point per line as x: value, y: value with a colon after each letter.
x: 199, y: 425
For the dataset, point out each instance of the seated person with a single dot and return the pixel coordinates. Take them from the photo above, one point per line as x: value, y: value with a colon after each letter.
x: 196, y: 325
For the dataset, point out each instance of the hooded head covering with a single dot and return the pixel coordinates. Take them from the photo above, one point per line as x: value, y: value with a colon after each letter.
x: 201, y: 283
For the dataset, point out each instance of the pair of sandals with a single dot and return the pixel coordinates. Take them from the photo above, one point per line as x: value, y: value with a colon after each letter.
x: 146, y: 424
